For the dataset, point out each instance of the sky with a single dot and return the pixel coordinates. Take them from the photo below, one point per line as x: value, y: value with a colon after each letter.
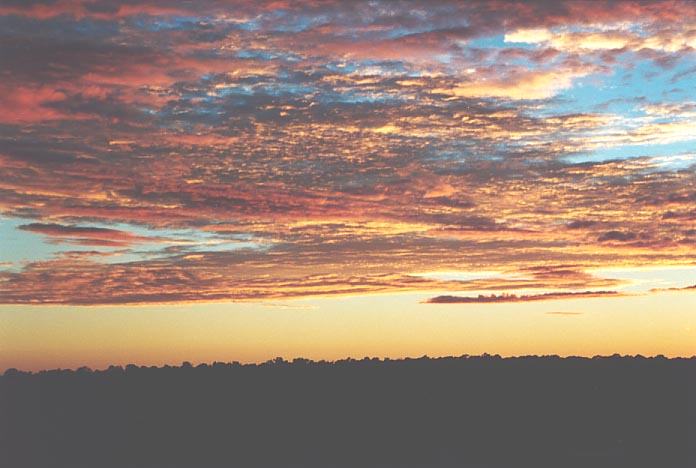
x: 233, y: 180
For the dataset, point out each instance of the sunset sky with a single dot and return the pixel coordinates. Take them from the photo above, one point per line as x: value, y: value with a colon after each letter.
x: 239, y: 180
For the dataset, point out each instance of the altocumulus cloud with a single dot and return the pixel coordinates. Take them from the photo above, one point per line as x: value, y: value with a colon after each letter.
x: 318, y: 148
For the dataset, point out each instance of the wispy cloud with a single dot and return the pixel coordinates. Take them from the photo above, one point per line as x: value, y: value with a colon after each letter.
x: 482, y: 299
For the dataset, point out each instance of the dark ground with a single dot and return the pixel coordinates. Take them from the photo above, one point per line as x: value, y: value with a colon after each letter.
x: 451, y: 412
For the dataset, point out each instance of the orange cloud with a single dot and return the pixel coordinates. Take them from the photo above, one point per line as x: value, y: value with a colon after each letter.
x: 28, y: 104
x: 87, y: 235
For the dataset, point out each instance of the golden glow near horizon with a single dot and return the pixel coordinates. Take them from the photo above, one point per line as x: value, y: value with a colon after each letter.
x: 46, y: 337
x: 409, y: 177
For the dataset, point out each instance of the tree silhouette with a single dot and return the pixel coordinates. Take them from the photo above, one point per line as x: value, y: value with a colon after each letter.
x: 484, y: 411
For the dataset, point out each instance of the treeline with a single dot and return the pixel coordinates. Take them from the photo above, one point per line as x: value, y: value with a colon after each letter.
x: 483, y: 411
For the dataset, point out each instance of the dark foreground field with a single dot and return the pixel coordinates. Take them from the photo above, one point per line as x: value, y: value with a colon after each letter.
x: 452, y: 412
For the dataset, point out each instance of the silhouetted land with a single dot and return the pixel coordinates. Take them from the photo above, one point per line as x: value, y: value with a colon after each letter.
x: 451, y: 412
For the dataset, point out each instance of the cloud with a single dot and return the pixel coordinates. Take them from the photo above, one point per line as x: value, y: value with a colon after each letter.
x: 87, y: 235
x: 581, y: 224
x: 620, y: 236
x: 574, y: 41
x: 529, y: 35
x: 685, y: 288
x: 30, y: 104
x: 663, y: 38
x: 284, y: 140
x: 524, y: 85
x: 481, y: 299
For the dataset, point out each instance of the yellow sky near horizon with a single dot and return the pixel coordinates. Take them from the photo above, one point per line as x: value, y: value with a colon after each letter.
x: 389, y: 325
